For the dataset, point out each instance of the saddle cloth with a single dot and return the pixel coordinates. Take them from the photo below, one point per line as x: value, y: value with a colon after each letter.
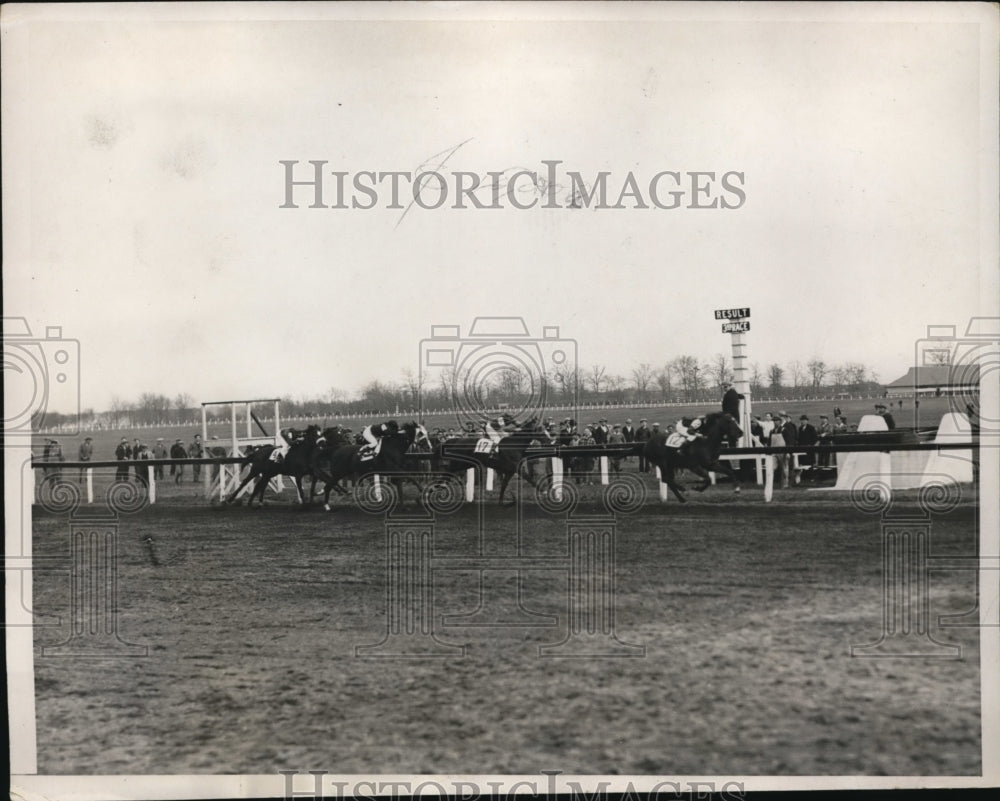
x: 675, y: 440
x: 486, y: 445
x: 367, y: 453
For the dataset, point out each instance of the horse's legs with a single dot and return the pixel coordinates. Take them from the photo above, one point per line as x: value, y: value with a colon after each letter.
x: 667, y: 476
x: 727, y: 468
x: 250, y: 476
x: 503, y: 485
x: 706, y: 478
x: 258, y: 489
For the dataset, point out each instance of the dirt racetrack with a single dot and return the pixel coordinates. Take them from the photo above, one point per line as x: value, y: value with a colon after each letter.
x: 747, y: 613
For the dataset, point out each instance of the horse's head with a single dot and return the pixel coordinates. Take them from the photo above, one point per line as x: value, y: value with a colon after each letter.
x: 418, y: 435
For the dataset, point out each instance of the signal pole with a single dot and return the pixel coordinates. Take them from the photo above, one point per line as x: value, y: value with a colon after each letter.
x: 737, y: 325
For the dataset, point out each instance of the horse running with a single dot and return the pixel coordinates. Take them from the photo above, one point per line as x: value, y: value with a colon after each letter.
x: 699, y: 456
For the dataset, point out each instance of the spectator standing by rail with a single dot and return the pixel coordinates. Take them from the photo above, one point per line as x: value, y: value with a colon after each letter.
x: 583, y: 468
x: 177, y: 452
x: 136, y: 453
x: 731, y: 401
x: 807, y: 436
x: 642, y: 436
x: 196, y: 451
x: 616, y: 437
x: 825, y: 436
x: 159, y: 452
x: 142, y: 454
x: 602, y: 432
x: 122, y: 454
x: 85, y: 454
x: 890, y: 423
x: 767, y: 428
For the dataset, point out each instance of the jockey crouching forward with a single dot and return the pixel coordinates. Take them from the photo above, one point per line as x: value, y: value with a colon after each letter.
x: 496, y: 430
x: 373, y: 434
x: 290, y: 437
x: 687, y: 431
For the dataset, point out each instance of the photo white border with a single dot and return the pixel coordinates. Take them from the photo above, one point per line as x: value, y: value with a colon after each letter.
x: 17, y: 183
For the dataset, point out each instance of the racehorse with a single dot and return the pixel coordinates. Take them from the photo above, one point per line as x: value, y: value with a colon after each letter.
x: 349, y: 461
x: 699, y: 456
x: 506, y: 458
x: 301, y: 460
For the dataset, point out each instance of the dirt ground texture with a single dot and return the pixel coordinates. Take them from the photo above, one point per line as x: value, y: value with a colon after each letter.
x: 747, y: 613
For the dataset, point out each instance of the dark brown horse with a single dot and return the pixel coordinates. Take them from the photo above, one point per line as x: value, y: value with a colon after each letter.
x: 506, y: 458
x: 699, y: 456
x: 391, y: 462
x: 304, y: 458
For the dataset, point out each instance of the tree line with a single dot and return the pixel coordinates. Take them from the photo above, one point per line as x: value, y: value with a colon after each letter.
x: 682, y: 379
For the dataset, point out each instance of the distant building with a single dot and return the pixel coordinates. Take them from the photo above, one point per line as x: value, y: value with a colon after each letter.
x: 934, y: 379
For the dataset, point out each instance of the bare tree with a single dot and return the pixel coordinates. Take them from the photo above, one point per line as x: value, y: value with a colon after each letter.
x: 642, y: 376
x: 664, y: 380
x: 817, y: 371
x: 855, y: 374
x: 617, y: 385
x: 413, y: 384
x: 937, y: 356
x: 567, y: 379
x: 797, y: 373
x: 510, y: 382
x: 839, y: 375
x: 720, y: 370
x: 774, y: 376
x: 756, y: 379
x: 688, y: 372
x: 119, y: 410
x: 596, y: 377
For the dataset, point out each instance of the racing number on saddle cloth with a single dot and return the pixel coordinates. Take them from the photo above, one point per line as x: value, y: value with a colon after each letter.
x: 485, y: 446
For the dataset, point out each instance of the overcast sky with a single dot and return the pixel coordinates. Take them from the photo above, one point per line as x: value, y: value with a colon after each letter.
x: 143, y: 186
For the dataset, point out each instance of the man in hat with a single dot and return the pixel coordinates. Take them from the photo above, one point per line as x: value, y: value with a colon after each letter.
x: 616, y: 438
x: 140, y: 471
x: 177, y: 451
x: 85, y: 454
x: 601, y: 432
x: 642, y: 435
x: 886, y: 415
x: 122, y: 453
x: 731, y: 401
x: 825, y: 436
x: 159, y: 452
x: 790, y: 437
x: 196, y: 451
x: 807, y: 436
x: 628, y: 430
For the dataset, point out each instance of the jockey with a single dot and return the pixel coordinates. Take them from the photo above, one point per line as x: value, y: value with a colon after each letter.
x: 373, y: 434
x: 290, y: 437
x: 690, y: 429
x: 497, y: 429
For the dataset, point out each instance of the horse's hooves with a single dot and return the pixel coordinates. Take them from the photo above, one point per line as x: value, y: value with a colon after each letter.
x: 736, y: 490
